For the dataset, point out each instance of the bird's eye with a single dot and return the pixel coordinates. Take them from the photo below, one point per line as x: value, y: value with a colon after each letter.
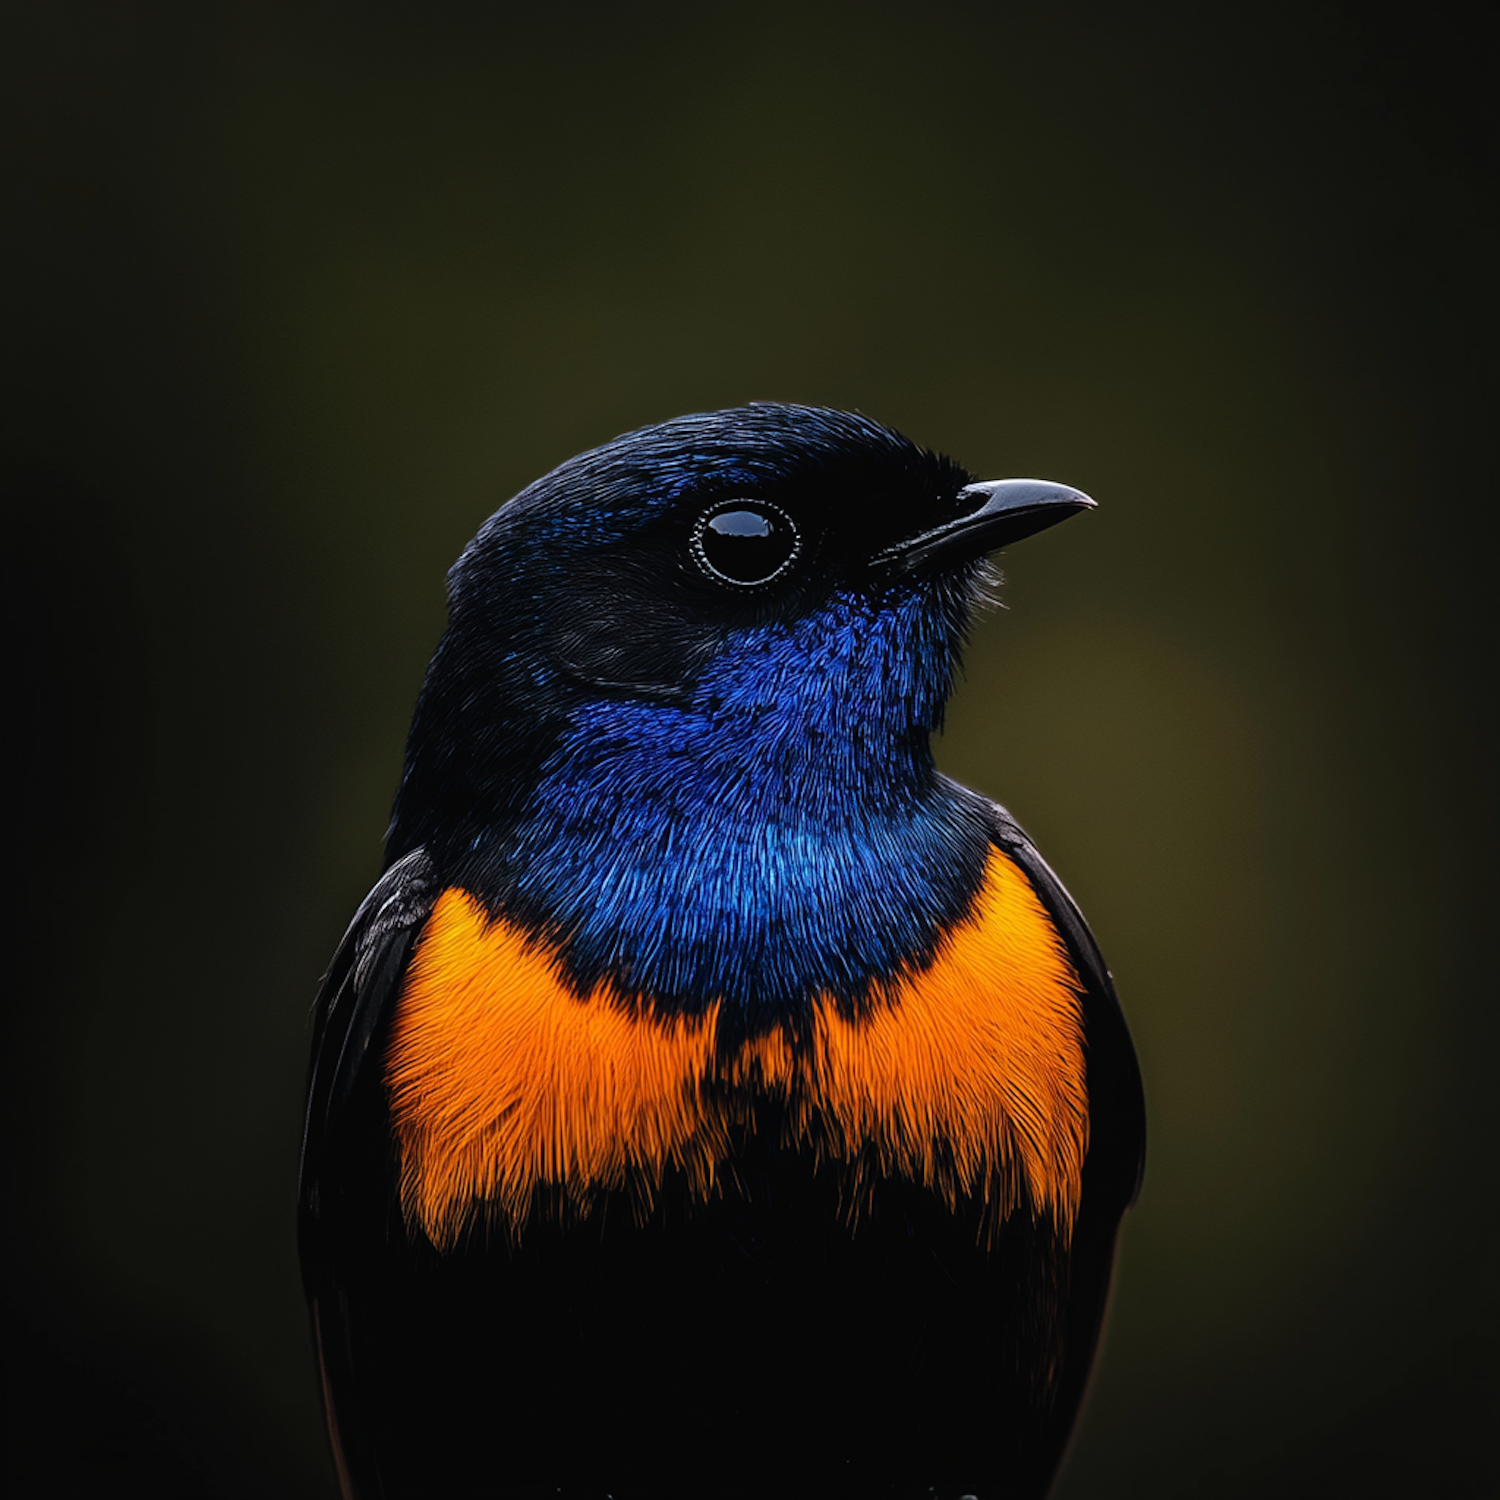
x: 745, y: 542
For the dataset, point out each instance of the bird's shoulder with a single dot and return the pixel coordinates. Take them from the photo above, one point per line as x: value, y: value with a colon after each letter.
x: 1117, y: 1099
x: 354, y: 1000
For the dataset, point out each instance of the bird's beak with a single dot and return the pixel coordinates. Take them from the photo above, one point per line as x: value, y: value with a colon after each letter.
x: 1000, y: 511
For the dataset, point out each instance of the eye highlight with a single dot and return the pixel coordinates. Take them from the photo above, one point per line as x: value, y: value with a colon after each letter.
x: 745, y: 542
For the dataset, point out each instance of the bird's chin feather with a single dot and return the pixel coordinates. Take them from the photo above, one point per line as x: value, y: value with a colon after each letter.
x: 985, y: 591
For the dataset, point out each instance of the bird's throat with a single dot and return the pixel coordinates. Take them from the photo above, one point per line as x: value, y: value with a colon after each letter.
x: 783, y: 835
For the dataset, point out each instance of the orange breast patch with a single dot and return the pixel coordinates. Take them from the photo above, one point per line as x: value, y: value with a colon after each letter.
x: 969, y: 1080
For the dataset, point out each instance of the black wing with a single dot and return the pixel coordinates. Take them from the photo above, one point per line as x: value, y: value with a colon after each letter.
x: 1119, y: 1156
x: 346, y: 1170
x: 1117, y: 1124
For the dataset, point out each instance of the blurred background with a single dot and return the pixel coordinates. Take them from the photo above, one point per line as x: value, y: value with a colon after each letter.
x: 296, y: 294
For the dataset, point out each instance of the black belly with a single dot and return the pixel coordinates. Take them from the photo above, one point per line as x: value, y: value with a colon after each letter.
x: 788, y: 1338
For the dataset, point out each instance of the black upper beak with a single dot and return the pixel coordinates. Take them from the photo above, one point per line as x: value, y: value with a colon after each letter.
x: 1003, y: 511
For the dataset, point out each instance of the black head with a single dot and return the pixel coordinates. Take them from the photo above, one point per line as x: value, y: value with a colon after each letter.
x: 642, y: 569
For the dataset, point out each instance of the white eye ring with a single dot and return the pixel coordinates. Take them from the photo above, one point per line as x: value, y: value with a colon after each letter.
x: 781, y: 528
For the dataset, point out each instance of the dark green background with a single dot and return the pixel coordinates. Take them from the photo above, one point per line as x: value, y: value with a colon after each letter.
x: 295, y: 295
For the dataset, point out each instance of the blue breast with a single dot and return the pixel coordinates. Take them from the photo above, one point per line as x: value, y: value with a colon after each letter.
x: 782, y: 834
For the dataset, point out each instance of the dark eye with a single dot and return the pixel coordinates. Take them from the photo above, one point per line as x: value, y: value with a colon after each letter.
x: 745, y: 542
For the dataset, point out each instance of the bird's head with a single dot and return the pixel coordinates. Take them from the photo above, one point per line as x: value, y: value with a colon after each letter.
x: 799, y: 578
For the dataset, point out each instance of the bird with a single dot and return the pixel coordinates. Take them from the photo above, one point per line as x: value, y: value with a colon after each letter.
x: 712, y: 1100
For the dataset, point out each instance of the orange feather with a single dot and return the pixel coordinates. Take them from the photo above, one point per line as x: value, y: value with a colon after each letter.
x: 967, y: 1077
